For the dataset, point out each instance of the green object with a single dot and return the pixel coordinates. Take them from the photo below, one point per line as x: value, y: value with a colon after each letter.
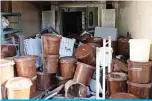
x: 37, y: 35
x: 54, y: 33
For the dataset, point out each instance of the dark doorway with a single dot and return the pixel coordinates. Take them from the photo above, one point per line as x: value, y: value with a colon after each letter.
x: 72, y: 23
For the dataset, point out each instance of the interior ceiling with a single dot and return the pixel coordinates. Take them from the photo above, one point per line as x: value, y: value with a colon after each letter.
x: 41, y: 4
x: 37, y: 3
x: 45, y: 5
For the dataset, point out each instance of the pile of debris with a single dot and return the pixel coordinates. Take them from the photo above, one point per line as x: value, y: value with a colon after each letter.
x: 72, y: 72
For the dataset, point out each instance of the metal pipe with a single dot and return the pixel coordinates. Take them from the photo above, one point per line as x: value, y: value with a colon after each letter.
x: 103, y: 68
x: 97, y: 72
x: 42, y: 55
x: 109, y: 55
x: 51, y: 96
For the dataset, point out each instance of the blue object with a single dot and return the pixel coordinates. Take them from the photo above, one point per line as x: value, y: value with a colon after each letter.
x: 43, y: 31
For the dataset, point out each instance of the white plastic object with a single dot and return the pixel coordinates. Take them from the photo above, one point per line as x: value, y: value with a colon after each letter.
x: 0, y: 93
x: 104, y: 61
x: 18, y: 83
x: 32, y: 46
x: 66, y: 47
x: 140, y: 50
x: 93, y: 86
x: 101, y: 49
x: 106, y: 32
x: 5, y: 22
x: 38, y: 62
x: 5, y: 63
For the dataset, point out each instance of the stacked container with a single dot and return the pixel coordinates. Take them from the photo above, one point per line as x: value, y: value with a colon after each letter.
x: 86, y: 55
x: 123, y: 46
x: 81, y: 76
x: 18, y: 88
x: 67, y: 66
x: 26, y: 67
x: 117, y: 83
x: 139, y: 68
x: 51, y: 46
x: 6, y: 73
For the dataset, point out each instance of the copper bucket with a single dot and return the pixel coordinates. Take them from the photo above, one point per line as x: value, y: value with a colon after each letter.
x: 139, y: 72
x: 86, y: 38
x: 67, y: 66
x: 33, y: 87
x: 51, y: 63
x: 61, y: 80
x: 51, y: 44
x: 142, y: 91
x: 83, y: 73
x: 123, y: 46
x: 123, y: 96
x: 43, y: 81
x: 114, y: 46
x: 86, y: 54
x: 8, y: 50
x: 75, y: 90
x: 98, y: 41
x: 117, y: 82
x: 26, y: 66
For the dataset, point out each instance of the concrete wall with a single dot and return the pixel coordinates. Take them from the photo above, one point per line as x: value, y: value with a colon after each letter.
x: 135, y: 17
x: 30, y: 17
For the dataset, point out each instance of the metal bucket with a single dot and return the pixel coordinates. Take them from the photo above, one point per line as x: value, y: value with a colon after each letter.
x: 139, y: 72
x: 67, y: 66
x: 142, y: 91
x: 123, y: 46
x: 43, y: 81
x: 26, y: 66
x: 75, y: 90
x: 123, y: 96
x: 117, y: 82
x: 83, y: 73
x: 51, y: 44
x: 61, y: 80
x: 98, y: 41
x: 33, y: 87
x: 51, y: 63
x: 86, y: 53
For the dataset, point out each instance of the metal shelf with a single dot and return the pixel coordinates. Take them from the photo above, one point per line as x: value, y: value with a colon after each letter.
x: 17, y: 31
x: 12, y: 31
x: 10, y: 14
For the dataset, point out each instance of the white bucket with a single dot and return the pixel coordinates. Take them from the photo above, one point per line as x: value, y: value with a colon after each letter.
x: 139, y: 50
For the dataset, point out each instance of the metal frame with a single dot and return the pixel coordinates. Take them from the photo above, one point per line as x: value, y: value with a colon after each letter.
x: 103, y: 64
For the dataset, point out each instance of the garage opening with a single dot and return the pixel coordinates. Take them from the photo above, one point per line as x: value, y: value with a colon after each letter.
x: 72, y: 23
